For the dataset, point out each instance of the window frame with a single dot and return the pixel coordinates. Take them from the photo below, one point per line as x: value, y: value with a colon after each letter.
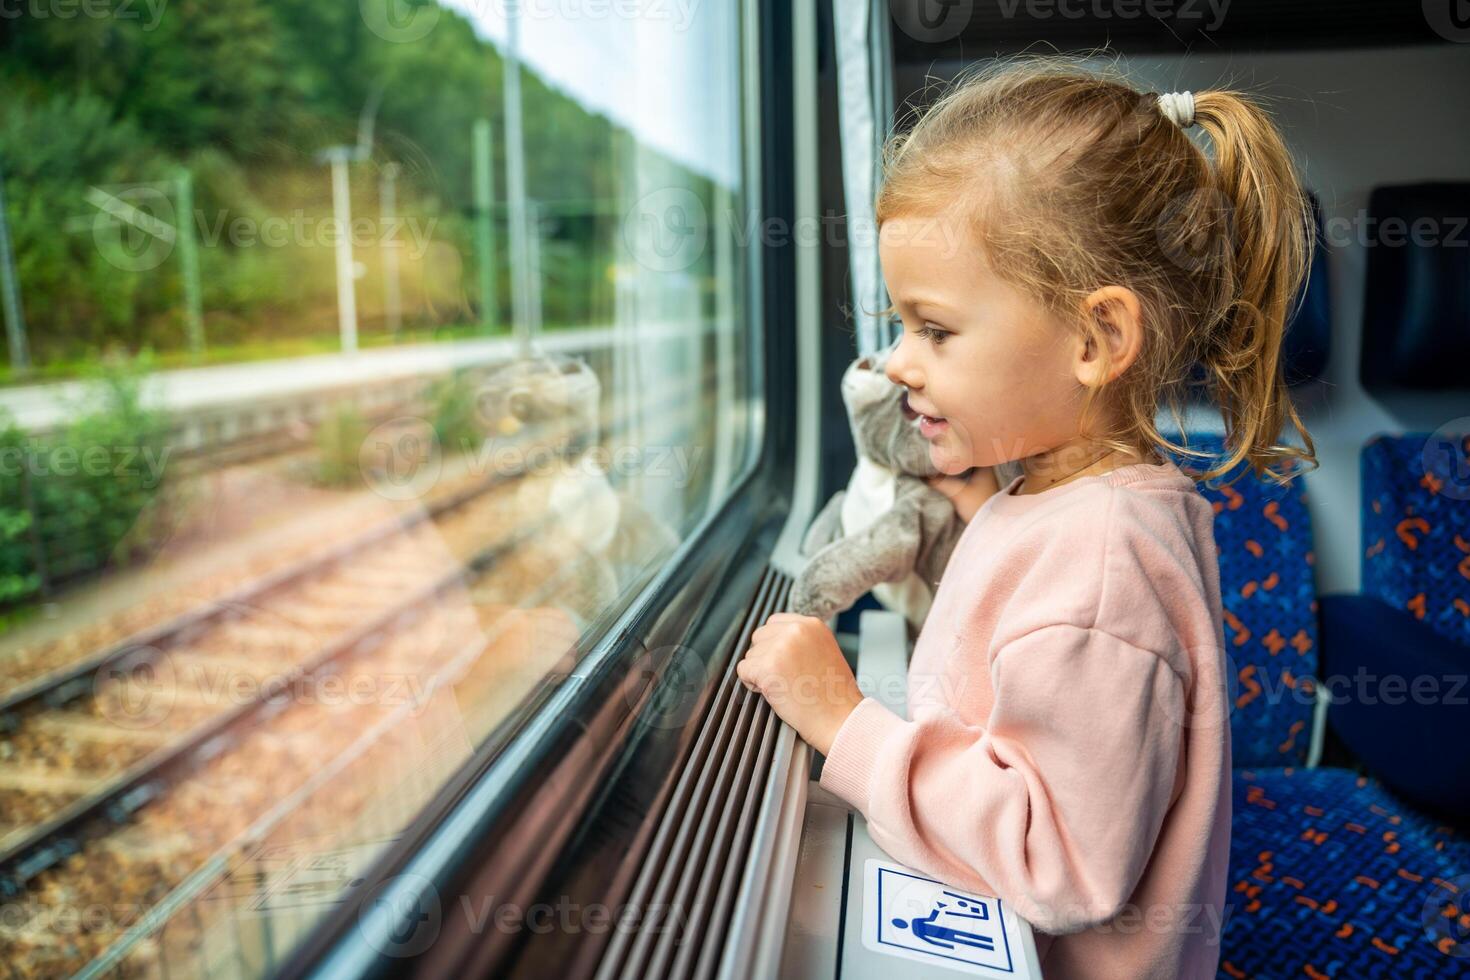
x: 518, y: 801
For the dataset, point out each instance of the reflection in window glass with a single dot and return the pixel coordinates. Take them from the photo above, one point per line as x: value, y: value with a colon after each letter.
x: 358, y: 374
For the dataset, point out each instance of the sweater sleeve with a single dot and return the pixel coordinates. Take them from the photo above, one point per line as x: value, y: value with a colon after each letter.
x: 1055, y: 805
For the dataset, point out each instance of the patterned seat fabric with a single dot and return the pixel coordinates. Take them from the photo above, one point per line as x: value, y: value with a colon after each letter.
x: 1264, y: 536
x: 1416, y: 528
x: 1331, y: 876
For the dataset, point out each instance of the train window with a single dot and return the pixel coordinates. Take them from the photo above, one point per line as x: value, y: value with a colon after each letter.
x: 492, y: 254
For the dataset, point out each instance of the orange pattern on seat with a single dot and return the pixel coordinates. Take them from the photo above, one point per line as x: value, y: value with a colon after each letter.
x: 1409, y: 524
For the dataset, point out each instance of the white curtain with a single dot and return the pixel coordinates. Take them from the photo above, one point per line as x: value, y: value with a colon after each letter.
x: 864, y: 109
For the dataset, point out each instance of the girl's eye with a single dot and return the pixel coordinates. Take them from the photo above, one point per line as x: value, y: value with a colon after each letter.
x: 931, y: 333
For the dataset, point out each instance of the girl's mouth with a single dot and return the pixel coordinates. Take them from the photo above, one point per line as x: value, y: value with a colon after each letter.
x: 929, y: 426
x: 903, y: 403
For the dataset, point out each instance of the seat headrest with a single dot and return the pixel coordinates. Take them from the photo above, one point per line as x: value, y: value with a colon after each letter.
x: 1309, y: 334
x: 1416, y: 302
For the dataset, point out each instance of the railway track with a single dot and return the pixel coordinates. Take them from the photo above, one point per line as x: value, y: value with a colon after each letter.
x: 109, y: 712
x: 95, y: 770
x: 226, y: 801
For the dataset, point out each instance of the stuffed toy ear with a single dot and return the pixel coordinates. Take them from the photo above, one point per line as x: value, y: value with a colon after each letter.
x: 558, y: 395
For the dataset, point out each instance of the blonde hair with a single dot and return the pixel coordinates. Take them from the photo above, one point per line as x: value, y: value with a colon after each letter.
x: 1082, y: 182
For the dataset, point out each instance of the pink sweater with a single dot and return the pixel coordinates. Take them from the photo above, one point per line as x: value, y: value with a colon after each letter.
x: 1069, y: 743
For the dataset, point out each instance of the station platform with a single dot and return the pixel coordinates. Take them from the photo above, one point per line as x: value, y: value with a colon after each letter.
x: 186, y: 390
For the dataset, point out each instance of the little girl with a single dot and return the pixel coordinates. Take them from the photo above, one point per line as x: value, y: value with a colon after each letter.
x: 1066, y: 262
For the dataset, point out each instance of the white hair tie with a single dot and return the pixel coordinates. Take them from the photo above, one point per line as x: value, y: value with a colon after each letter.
x: 1179, y: 107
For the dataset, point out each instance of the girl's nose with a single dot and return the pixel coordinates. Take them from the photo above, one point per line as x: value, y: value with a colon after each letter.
x: 899, y: 370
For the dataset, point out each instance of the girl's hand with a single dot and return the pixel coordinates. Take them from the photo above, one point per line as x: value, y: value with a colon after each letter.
x: 794, y: 662
x: 967, y: 493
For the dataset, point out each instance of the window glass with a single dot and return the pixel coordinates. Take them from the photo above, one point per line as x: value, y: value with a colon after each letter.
x: 364, y: 361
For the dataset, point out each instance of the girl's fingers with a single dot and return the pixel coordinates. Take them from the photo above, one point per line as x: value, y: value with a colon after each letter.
x: 744, y: 671
x: 771, y: 626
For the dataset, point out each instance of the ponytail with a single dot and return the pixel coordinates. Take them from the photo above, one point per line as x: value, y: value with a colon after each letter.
x: 1273, y: 237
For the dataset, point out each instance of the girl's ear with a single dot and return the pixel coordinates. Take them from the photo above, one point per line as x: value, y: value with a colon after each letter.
x: 1113, y: 338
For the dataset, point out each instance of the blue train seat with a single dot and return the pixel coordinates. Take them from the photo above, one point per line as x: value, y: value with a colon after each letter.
x: 1410, y: 629
x: 1331, y: 873
x: 1308, y: 341
x: 1416, y: 528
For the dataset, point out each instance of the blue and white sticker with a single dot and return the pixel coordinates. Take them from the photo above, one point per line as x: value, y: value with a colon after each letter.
x: 914, y: 917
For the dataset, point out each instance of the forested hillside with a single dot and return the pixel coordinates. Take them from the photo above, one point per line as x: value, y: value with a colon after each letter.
x: 243, y: 94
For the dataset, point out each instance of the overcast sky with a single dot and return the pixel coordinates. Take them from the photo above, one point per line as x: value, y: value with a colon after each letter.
x: 669, y: 74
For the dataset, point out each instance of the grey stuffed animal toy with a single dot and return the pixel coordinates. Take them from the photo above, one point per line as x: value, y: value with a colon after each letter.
x: 889, y: 531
